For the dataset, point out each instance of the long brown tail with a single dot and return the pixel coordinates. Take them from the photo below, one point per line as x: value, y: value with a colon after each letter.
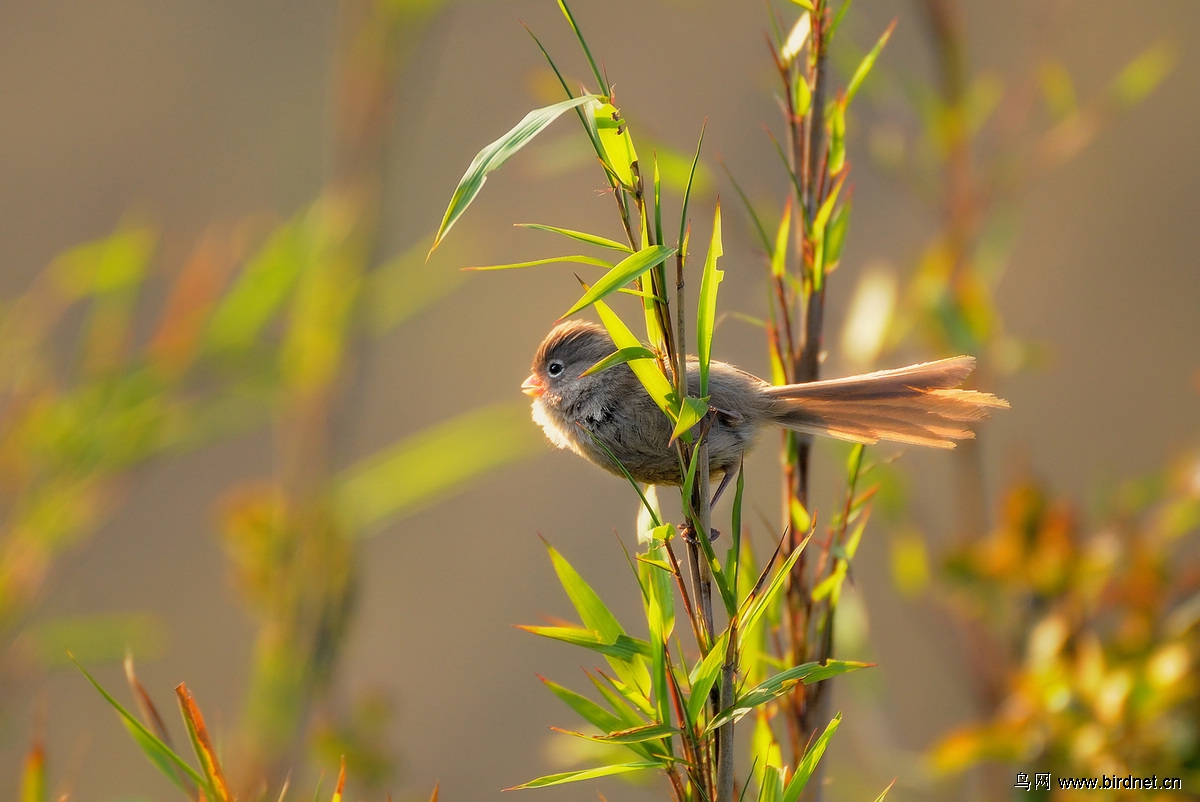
x: 917, y: 404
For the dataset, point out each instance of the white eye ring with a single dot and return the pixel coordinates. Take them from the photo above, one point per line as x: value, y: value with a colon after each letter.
x: 555, y: 368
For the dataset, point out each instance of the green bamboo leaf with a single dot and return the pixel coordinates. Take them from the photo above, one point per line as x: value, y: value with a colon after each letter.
x: 158, y: 752
x: 835, y: 236
x: 687, y: 190
x: 820, y: 224
x: 658, y: 231
x: 620, y: 157
x: 418, y: 470
x: 768, y: 758
x: 622, y: 648
x: 837, y: 138
x: 581, y: 236
x: 782, y: 237
x: 495, y: 154
x: 691, y: 412
x: 592, y: 610
x: 801, y: 94
x: 706, y: 314
x: 854, y: 463
x: 704, y: 675
x: 620, y: 357
x: 588, y: 710
x: 625, y: 657
x: 583, y: 260
x: 647, y: 370
x: 634, y: 735
x: 864, y: 66
x: 659, y: 601
x: 771, y: 786
x: 808, y: 764
x: 588, y: 774
x: 603, y: 84
x: 624, y: 272
x: 626, y: 702
x: 778, y: 685
x: 754, y: 606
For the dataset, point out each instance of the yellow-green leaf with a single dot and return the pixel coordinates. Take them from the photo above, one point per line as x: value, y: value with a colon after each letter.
x: 624, y: 272
x: 616, y: 144
x: 706, y: 314
x: 495, y: 154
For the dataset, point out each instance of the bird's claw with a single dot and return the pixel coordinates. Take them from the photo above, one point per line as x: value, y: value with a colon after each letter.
x: 688, y: 533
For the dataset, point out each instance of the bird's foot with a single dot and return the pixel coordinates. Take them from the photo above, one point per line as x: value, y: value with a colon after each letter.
x: 688, y: 533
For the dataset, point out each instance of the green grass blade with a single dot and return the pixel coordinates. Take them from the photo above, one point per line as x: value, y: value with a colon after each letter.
x: 687, y: 191
x: 706, y: 314
x: 808, y: 764
x: 754, y: 218
x: 600, y: 82
x: 422, y: 468
x: 582, y: 236
x: 158, y: 752
x: 624, y: 272
x: 495, y: 154
x: 584, y: 119
x: 587, y: 774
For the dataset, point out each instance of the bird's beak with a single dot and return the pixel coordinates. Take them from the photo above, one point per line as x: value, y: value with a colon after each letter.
x: 533, y: 386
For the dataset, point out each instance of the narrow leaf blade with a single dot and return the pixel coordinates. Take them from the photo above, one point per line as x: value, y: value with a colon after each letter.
x: 495, y: 154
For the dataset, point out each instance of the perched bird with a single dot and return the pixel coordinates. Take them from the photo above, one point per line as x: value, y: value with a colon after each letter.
x: 917, y: 404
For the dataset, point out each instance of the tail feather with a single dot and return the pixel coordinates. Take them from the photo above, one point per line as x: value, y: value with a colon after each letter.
x: 916, y: 405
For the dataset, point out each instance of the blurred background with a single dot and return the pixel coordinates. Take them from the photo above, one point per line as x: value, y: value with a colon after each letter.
x: 175, y: 452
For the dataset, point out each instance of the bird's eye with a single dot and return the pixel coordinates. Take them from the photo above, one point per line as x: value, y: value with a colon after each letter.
x: 555, y: 368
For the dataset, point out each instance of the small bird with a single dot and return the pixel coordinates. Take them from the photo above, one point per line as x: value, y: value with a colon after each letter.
x: 917, y: 404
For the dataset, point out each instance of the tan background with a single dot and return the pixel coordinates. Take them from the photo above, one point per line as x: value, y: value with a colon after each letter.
x: 189, y: 113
